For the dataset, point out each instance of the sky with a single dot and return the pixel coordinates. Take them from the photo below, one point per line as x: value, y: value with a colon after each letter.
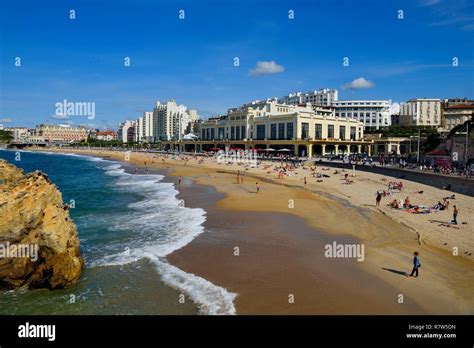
x: 395, y: 49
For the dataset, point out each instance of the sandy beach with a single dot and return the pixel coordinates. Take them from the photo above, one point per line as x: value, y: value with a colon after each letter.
x: 281, y: 233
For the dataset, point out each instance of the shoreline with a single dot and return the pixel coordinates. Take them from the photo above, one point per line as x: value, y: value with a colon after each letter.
x: 388, y: 243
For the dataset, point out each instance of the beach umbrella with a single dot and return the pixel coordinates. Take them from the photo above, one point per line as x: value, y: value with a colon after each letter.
x: 270, y: 149
x: 284, y: 150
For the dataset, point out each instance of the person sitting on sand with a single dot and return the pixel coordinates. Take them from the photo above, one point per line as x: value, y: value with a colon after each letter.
x: 407, y: 203
x: 446, y: 203
x: 393, y: 204
x: 439, y: 206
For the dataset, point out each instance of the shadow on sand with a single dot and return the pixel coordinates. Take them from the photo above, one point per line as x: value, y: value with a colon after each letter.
x: 395, y: 271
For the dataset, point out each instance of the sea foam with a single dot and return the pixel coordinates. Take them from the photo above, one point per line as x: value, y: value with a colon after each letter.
x: 162, y: 225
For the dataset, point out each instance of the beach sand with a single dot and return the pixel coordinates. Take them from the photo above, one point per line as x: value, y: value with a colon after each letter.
x: 281, y: 233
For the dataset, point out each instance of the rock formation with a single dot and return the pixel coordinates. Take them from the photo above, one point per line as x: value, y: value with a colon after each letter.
x: 33, y: 217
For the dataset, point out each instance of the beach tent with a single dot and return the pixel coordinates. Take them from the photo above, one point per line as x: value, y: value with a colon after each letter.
x: 284, y: 150
x: 270, y: 149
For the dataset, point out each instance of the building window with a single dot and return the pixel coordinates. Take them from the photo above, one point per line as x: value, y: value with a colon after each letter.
x: 244, y: 136
x: 353, y: 133
x: 212, y: 133
x: 319, y: 131
x: 330, y: 131
x: 237, y: 133
x: 221, y: 131
x: 289, y: 130
x: 232, y: 133
x: 260, y: 131
x: 281, y: 131
x: 273, y: 131
x: 342, y: 132
x: 304, y: 130
x: 208, y: 133
x: 203, y: 135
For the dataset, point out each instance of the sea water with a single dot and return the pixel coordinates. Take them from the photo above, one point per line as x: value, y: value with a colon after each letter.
x: 127, y: 225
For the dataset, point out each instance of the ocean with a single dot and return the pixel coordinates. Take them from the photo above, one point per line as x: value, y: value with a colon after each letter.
x: 127, y: 225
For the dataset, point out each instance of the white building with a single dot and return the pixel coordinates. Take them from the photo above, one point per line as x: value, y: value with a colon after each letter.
x: 456, y: 114
x: 323, y: 97
x: 170, y: 120
x: 374, y: 114
x: 148, y: 128
x: 421, y: 112
x: 19, y: 134
x: 138, y: 131
x: 126, y: 131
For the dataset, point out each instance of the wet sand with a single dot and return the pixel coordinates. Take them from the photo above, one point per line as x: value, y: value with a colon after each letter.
x: 280, y: 258
x: 281, y: 249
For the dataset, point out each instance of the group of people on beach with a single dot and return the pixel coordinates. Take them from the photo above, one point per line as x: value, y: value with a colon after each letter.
x: 408, y: 206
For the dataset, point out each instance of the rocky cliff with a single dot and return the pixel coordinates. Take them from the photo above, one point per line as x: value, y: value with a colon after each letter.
x: 39, y: 246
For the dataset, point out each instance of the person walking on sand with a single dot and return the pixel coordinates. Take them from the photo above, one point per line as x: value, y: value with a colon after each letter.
x: 179, y: 181
x: 305, y: 181
x: 258, y: 187
x: 238, y: 177
x: 455, y: 215
x: 416, y: 265
x: 378, y: 199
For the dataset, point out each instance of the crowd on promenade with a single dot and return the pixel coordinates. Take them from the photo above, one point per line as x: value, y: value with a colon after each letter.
x: 390, y: 161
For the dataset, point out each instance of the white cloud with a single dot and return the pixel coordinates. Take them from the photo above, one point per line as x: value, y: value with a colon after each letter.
x: 60, y: 117
x: 427, y: 3
x: 266, y: 68
x: 394, y: 108
x: 6, y: 120
x: 358, y: 84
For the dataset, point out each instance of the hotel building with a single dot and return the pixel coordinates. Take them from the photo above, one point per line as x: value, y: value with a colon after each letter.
x: 456, y: 112
x: 107, y: 135
x: 322, y: 97
x: 374, y: 114
x: 126, y: 131
x: 306, y: 130
x: 170, y: 120
x: 61, y: 133
x: 421, y: 112
x: 19, y: 134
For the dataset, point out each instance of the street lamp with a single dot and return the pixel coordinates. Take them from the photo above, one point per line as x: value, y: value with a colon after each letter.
x: 418, y: 147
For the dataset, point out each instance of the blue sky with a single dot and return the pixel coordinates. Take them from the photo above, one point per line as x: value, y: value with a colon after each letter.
x: 192, y: 60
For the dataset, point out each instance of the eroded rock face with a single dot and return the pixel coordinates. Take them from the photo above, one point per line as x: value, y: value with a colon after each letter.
x: 33, y: 216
